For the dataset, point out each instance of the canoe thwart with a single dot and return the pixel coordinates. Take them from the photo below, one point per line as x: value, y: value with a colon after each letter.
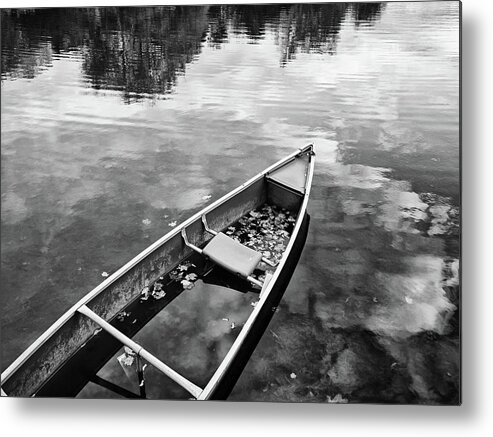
x: 139, y: 350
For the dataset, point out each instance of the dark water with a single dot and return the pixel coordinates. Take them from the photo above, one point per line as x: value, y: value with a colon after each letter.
x: 117, y: 122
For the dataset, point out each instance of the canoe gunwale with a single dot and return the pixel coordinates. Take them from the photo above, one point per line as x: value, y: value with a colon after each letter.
x: 10, y: 371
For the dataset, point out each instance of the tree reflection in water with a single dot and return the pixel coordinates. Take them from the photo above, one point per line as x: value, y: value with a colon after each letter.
x: 141, y: 51
x: 372, y: 313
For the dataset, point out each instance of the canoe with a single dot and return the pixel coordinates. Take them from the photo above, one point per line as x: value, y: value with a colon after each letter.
x: 69, y: 354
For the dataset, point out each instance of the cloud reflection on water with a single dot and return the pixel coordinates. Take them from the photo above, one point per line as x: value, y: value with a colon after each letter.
x: 91, y: 149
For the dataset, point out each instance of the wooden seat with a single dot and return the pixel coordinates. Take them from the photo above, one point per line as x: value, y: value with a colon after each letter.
x: 232, y: 255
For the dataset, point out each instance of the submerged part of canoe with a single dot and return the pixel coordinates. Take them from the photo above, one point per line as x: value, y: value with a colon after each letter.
x: 57, y: 363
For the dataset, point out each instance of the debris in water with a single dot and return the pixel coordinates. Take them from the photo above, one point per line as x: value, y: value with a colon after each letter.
x: 187, y: 285
x: 175, y: 275
x: 105, y: 274
x: 121, y: 316
x: 375, y: 300
x: 144, y: 294
x: 146, y: 222
x: 266, y: 230
x: 191, y: 277
x: 293, y: 375
x: 157, y: 291
x: 254, y: 304
x: 127, y: 361
x: 172, y: 224
x: 159, y: 295
x: 225, y: 319
x: 337, y: 399
x: 206, y: 197
x: 233, y: 326
x: 178, y: 275
x: 408, y: 299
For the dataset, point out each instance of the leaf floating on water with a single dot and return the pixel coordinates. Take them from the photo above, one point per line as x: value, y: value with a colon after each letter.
x: 159, y: 294
x: 105, y: 274
x: 266, y: 230
x: 125, y: 360
x: 337, y: 399
x: 187, y: 285
x: 175, y: 275
x: 144, y: 294
x: 172, y: 224
x: 146, y: 222
x: 121, y: 316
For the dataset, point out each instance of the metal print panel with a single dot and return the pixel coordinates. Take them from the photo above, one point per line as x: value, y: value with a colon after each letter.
x: 232, y: 202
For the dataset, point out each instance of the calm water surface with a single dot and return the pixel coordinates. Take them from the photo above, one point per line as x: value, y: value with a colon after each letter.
x: 117, y: 122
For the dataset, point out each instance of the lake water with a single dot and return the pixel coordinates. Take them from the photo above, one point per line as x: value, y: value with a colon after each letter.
x: 117, y: 122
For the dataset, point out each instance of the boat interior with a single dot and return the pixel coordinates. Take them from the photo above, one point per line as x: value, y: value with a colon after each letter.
x: 218, y: 263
